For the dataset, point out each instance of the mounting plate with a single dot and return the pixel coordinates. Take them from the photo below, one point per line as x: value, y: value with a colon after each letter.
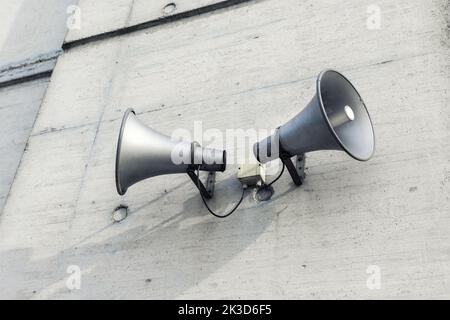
x: 296, y: 167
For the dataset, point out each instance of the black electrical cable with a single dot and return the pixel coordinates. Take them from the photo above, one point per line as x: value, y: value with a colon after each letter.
x: 279, y: 176
x: 209, y: 209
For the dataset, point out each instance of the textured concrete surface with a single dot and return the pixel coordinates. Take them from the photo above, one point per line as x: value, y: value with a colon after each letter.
x: 253, y: 65
x: 31, y: 35
x: 29, y: 28
x: 106, y: 16
x: 18, y: 108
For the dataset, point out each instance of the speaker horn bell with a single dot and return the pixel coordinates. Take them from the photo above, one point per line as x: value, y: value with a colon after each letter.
x: 335, y: 119
x: 143, y: 153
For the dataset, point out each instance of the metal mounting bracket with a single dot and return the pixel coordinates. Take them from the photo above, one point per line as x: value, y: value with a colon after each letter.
x: 295, y: 166
x: 208, y: 190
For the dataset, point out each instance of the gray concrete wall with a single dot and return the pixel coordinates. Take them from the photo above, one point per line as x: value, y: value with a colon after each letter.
x: 250, y: 65
x: 31, y: 35
x: 29, y: 28
x: 19, y: 105
x: 103, y: 16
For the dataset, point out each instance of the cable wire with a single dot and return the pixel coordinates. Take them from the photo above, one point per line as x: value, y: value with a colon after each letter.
x: 209, y: 209
x: 279, y: 176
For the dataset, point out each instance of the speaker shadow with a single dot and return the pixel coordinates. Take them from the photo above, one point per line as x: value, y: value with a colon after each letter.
x: 191, y: 245
x: 171, y: 259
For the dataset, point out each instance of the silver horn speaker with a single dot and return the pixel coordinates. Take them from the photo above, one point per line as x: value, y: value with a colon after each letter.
x: 335, y: 119
x: 144, y: 153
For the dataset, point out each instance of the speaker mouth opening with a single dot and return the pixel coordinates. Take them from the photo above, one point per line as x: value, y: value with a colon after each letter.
x: 336, y: 94
x: 120, y: 190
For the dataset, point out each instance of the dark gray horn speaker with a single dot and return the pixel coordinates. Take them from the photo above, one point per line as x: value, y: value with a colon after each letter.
x: 143, y: 153
x: 335, y: 119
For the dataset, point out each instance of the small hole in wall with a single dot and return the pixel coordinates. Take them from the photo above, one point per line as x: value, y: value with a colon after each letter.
x: 169, y: 8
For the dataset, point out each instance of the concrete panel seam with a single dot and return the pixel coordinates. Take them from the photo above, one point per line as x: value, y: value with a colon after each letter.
x: 31, y: 69
x: 154, y: 23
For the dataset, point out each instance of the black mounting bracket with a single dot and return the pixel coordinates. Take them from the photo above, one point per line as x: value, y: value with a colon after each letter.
x: 295, y: 166
x: 208, y: 190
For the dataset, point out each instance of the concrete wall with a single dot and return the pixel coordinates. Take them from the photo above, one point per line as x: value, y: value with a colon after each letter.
x: 19, y: 105
x: 249, y: 65
x: 30, y: 28
x: 31, y: 35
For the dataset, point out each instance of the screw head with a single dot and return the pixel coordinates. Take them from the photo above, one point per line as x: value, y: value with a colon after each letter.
x: 169, y: 8
x: 120, y: 213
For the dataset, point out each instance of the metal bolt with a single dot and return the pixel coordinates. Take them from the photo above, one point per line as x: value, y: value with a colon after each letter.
x: 169, y: 8
x: 120, y: 213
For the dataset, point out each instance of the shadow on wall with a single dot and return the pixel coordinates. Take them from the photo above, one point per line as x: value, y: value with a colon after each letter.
x: 163, y: 260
